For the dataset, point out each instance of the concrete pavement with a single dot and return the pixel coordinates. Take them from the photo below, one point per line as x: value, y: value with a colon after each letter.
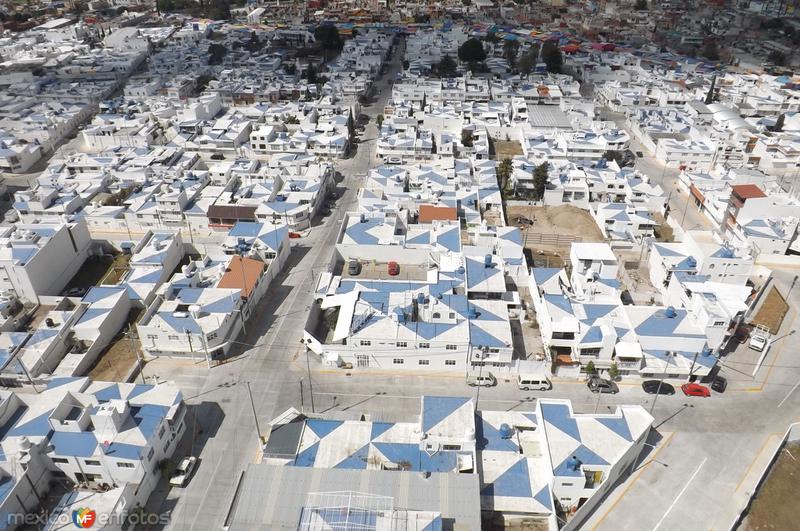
x: 703, y: 464
x: 226, y: 438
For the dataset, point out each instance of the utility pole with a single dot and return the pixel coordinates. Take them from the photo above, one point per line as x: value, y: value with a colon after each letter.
x: 302, y: 401
x: 310, y: 385
x: 139, y: 359
x: 667, y: 355
x: 255, y: 417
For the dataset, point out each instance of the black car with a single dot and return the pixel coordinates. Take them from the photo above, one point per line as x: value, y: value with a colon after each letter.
x: 599, y: 385
x: 719, y: 384
x: 651, y: 387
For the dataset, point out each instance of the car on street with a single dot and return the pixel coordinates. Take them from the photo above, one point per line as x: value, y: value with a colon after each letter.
x: 75, y: 292
x: 522, y: 220
x: 651, y: 387
x: 742, y: 333
x: 719, y: 384
x: 394, y: 160
x: 353, y: 267
x: 486, y: 379
x: 695, y: 389
x: 183, y: 471
x: 393, y: 269
x: 601, y: 385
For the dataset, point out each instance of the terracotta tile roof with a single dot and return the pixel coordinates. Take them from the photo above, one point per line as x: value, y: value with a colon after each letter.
x: 748, y: 191
x: 243, y: 274
x: 428, y: 213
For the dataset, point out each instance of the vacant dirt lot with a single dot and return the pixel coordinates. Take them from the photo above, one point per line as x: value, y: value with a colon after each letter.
x: 506, y: 149
x: 775, y: 504
x: 555, y: 227
x: 772, y: 312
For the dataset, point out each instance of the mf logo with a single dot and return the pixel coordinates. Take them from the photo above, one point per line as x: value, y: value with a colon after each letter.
x: 84, y: 517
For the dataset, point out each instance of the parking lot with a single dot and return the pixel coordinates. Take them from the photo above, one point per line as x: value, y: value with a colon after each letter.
x: 377, y: 270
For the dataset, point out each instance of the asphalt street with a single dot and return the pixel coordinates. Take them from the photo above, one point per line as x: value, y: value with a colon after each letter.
x: 705, y: 457
x: 225, y: 436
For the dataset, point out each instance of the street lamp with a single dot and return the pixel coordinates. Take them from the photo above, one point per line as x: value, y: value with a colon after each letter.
x: 482, y: 355
x: 667, y: 355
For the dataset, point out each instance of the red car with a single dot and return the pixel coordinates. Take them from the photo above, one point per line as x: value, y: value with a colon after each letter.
x: 693, y: 389
x: 394, y: 269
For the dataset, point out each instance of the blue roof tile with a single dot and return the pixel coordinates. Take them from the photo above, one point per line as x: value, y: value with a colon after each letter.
x: 322, y: 428
x: 559, y: 416
x: 514, y: 482
x: 74, y: 444
x: 436, y: 408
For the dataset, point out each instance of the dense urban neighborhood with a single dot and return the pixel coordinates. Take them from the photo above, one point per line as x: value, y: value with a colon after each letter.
x: 397, y: 265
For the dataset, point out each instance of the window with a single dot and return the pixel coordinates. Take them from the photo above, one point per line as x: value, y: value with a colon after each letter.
x: 161, y: 432
x: 365, y: 343
x: 719, y: 323
x: 451, y: 347
x: 398, y: 361
x: 91, y: 462
x: 172, y: 338
x: 449, y: 362
x: 424, y: 345
x: 452, y: 315
x: 150, y: 454
x: 60, y: 460
x: 212, y: 335
x: 125, y: 465
x: 590, y: 351
x: 152, y: 336
x: 437, y: 315
x: 451, y: 447
x: 401, y: 344
x: 424, y: 362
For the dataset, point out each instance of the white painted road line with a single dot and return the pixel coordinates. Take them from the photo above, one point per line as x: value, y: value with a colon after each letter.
x: 785, y: 398
x: 686, y: 486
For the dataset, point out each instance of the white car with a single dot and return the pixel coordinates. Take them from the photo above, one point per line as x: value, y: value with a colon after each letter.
x: 486, y: 379
x: 758, y: 343
x: 182, y: 472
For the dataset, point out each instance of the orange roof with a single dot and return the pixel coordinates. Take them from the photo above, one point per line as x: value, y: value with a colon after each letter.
x: 748, y: 191
x: 429, y: 213
x: 242, y: 274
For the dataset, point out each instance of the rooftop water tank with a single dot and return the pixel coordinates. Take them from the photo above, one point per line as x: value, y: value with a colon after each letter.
x: 506, y: 431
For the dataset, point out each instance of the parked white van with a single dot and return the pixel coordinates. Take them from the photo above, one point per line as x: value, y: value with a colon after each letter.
x: 539, y: 382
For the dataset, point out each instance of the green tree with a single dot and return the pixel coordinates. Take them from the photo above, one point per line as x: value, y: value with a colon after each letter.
x: 351, y: 128
x: 613, y: 371
x: 590, y: 368
x: 291, y: 120
x: 466, y: 138
x: 551, y: 55
x: 528, y: 60
x: 328, y: 36
x: 215, y: 53
x: 504, y: 170
x: 711, y: 51
x: 510, y: 50
x: 447, y: 67
x: 472, y: 51
x: 379, y: 121
x: 540, y: 176
x: 710, y: 94
x: 219, y: 10
x: 778, y: 127
x: 777, y: 57
x: 614, y: 155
